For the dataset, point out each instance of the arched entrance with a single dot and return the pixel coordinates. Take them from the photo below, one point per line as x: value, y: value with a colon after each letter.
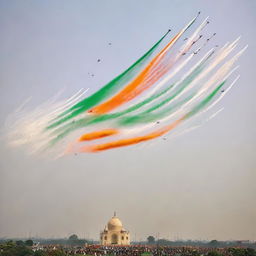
x: 114, y: 239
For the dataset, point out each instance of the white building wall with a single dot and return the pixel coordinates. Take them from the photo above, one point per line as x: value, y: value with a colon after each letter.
x: 106, y: 238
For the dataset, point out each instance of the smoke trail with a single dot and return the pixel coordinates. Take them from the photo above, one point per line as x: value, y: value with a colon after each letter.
x: 151, y: 91
x: 64, y: 131
x: 98, y: 134
x: 146, y: 117
x: 129, y: 92
x: 154, y: 134
x: 106, y: 90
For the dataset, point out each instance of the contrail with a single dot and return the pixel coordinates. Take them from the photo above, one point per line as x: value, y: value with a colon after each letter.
x: 160, y: 91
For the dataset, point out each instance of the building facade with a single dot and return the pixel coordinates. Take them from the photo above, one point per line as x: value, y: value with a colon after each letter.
x: 114, y: 233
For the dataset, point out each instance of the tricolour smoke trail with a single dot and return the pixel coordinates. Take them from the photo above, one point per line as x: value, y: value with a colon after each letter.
x: 186, y: 47
x: 127, y: 93
x: 76, y: 112
x: 106, y: 90
x: 224, y: 70
x: 162, y: 101
x: 146, y: 117
x: 210, y: 107
x: 90, y: 120
x: 154, y: 134
x: 187, y: 76
x: 182, y: 51
x: 218, y: 75
x: 160, y: 71
x: 221, y: 75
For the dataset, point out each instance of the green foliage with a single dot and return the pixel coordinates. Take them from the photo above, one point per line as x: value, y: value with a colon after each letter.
x: 75, y: 241
x: 7, y: 245
x: 250, y: 252
x: 29, y: 242
x: 162, y: 242
x: 19, y: 242
x: 73, y: 237
x: 13, y: 249
x: 213, y: 243
x: 242, y: 252
x: 56, y: 253
x: 214, y: 253
x: 151, y: 240
x: 40, y: 253
x: 195, y: 253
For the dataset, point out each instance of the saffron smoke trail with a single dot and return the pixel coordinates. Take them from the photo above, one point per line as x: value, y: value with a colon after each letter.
x: 108, y: 89
x: 152, y: 135
x: 151, y: 98
x: 137, y: 84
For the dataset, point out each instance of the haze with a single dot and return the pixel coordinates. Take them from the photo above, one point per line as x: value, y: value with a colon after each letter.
x: 200, y: 185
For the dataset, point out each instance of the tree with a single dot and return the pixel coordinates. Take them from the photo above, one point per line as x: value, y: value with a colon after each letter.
x: 56, y: 253
x: 12, y: 249
x: 195, y: 253
x: 19, y: 242
x: 29, y: 242
x: 213, y: 243
x: 250, y: 252
x: 40, y: 253
x: 242, y: 252
x: 214, y: 253
x: 73, y: 237
x: 163, y: 242
x: 73, y: 240
x: 151, y: 240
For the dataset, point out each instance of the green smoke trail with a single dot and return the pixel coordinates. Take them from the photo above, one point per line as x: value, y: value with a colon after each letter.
x: 204, y: 102
x: 91, y: 120
x: 152, y: 117
x: 106, y: 90
x: 147, y: 117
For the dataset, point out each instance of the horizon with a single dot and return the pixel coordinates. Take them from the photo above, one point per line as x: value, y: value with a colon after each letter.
x: 132, y: 241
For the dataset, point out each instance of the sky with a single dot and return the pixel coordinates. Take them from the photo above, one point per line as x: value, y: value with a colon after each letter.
x: 200, y: 185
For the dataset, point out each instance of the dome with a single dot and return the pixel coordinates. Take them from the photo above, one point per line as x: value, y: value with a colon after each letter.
x: 115, y: 224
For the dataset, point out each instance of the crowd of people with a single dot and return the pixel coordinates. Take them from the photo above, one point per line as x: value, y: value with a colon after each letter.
x: 95, y: 250
x: 28, y: 248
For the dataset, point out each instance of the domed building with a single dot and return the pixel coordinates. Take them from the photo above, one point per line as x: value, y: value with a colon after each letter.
x: 114, y: 233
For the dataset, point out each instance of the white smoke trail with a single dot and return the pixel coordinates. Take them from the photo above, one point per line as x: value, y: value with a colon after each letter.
x: 28, y: 127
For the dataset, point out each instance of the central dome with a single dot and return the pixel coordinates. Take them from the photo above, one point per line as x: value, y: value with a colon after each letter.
x: 115, y: 224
